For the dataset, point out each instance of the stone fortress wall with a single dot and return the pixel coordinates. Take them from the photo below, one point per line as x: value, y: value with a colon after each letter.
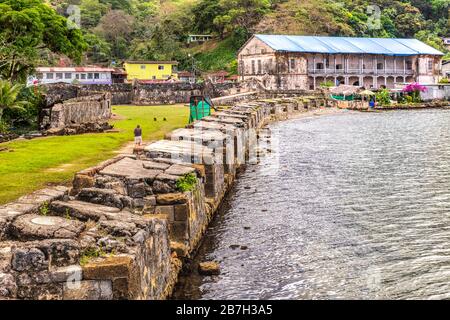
x: 125, y: 227
x: 147, y: 94
x: 77, y: 115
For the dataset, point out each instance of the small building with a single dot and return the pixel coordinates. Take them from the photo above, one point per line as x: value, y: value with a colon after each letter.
x: 186, y: 76
x: 445, y: 69
x: 446, y: 42
x: 198, y: 38
x: 119, y: 75
x: 155, y: 71
x: 217, y: 76
x: 304, y: 62
x: 233, y: 78
x: 82, y: 75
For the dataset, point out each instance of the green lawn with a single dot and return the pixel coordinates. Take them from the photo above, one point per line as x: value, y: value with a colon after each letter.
x: 33, y: 164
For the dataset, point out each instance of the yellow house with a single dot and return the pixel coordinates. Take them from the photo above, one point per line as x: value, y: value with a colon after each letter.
x: 151, y: 70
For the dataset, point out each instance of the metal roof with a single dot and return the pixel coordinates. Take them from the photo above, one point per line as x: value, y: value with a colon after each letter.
x: 151, y: 62
x: 73, y: 69
x: 334, y: 45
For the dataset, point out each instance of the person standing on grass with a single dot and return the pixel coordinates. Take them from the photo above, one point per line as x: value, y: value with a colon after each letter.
x: 138, y: 136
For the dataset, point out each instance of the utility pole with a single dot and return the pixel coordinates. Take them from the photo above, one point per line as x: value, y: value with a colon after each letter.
x: 193, y: 66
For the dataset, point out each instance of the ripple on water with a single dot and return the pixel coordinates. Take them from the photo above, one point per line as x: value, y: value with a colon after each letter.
x: 357, y: 206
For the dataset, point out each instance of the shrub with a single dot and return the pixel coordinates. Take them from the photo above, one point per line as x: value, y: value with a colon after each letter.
x: 383, y: 98
x: 9, y: 97
x: 414, y: 90
x: 25, y: 115
x: 327, y: 84
x: 4, y: 127
x: 187, y: 182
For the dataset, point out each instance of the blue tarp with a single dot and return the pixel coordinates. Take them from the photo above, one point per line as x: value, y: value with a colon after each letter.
x: 335, y: 45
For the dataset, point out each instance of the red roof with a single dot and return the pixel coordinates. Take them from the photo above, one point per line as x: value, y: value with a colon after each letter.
x: 74, y: 69
x: 185, y: 74
x: 222, y: 73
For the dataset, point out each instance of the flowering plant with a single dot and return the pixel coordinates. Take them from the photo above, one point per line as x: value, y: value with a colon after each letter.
x: 414, y: 87
x: 414, y: 90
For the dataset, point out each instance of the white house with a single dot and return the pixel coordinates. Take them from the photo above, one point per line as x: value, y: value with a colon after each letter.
x: 82, y: 75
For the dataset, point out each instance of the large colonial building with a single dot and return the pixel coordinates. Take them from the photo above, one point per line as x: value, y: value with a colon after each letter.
x: 304, y: 62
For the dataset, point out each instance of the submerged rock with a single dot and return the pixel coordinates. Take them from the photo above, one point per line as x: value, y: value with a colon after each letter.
x: 208, y: 268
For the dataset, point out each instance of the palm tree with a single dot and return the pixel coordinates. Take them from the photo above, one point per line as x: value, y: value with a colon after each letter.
x: 9, y: 96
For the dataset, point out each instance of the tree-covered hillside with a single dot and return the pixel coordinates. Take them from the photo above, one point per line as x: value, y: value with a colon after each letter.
x: 157, y: 29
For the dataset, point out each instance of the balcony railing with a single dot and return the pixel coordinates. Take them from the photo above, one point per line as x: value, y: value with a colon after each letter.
x: 362, y: 72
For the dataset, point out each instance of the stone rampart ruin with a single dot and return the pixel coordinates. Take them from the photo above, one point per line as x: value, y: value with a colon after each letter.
x: 77, y: 115
x: 125, y: 227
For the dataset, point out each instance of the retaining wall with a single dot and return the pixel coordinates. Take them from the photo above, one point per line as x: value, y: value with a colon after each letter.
x: 124, y: 228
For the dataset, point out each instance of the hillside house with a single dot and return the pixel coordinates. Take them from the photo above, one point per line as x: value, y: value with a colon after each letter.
x: 82, y: 75
x: 148, y: 71
x: 198, y: 38
x: 304, y: 62
x: 186, y: 76
x: 217, y: 76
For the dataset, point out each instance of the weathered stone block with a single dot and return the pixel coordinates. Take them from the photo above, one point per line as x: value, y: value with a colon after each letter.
x: 180, y: 212
x: 81, y: 181
x: 62, y: 252
x: 49, y: 291
x: 107, y: 197
x: 29, y: 259
x: 150, y: 200
x: 34, y: 227
x: 179, y: 170
x: 137, y: 190
x: 171, y: 198
x: 162, y: 187
x: 165, y: 210
x: 82, y: 210
x: 121, y: 289
x: 108, y: 268
x: 179, y: 248
x: 209, y: 268
x: 119, y: 228
x: 178, y: 231
x: 88, y: 290
x: 8, y: 287
x: 5, y: 257
x: 67, y: 273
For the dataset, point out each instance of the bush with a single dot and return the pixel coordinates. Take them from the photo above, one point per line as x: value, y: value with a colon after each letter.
x: 4, y: 127
x: 444, y: 80
x: 383, y: 98
x: 327, y: 84
x: 26, y: 117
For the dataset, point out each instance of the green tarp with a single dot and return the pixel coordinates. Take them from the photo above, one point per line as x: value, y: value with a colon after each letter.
x: 343, y: 98
x: 202, y: 109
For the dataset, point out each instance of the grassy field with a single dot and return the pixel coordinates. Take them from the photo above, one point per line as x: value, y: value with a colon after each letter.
x: 29, y: 165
